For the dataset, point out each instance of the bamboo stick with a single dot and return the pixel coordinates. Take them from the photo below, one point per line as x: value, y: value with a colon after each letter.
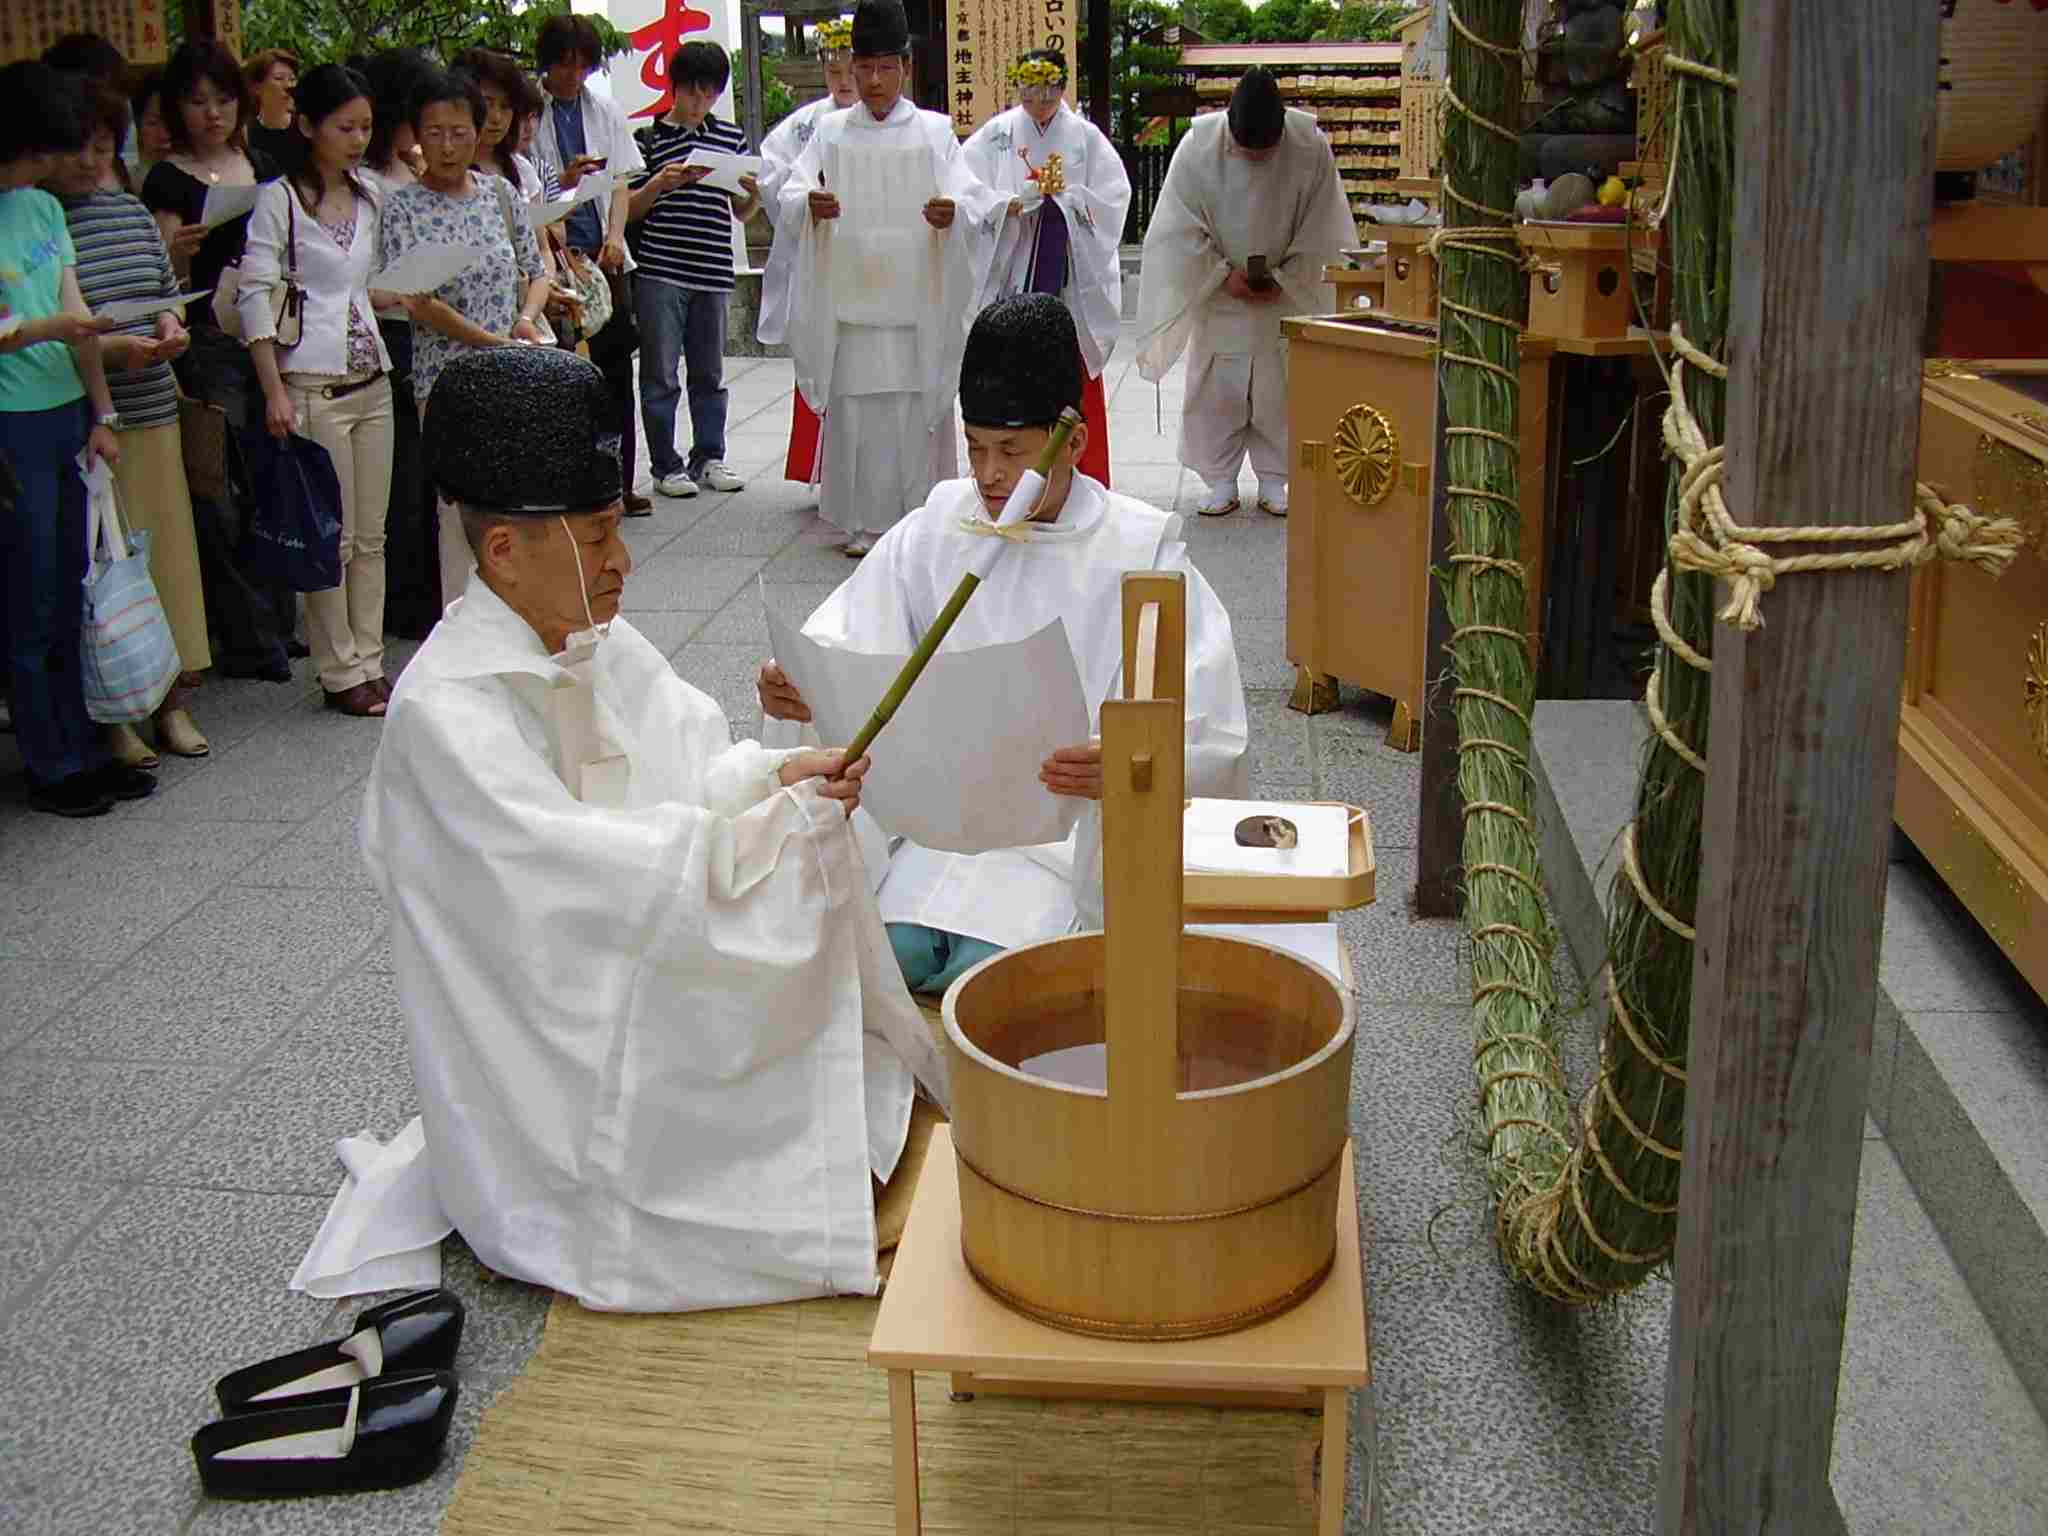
x: 1023, y: 502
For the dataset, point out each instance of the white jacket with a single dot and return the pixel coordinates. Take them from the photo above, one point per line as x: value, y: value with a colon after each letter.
x: 334, y: 280
x: 605, y: 132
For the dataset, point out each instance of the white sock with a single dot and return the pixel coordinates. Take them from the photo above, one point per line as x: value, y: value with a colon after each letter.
x: 1221, y: 495
x: 1273, y: 492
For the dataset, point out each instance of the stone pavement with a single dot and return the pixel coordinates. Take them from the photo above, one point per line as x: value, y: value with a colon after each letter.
x: 195, y: 1002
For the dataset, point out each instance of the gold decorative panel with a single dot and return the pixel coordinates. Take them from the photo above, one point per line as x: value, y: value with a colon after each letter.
x: 2011, y: 483
x: 2037, y: 692
x: 1365, y: 451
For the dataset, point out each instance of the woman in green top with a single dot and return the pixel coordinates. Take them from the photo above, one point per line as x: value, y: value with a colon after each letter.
x: 54, y: 405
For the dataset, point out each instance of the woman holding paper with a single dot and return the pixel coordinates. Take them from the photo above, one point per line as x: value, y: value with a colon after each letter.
x: 498, y: 300
x: 208, y: 172
x: 122, y: 260
x: 321, y: 226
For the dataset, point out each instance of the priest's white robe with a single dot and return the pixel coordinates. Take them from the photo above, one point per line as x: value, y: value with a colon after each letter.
x: 880, y: 303
x: 1072, y: 570
x: 780, y: 149
x: 660, y: 1042
x: 1003, y: 153
x: 1216, y: 209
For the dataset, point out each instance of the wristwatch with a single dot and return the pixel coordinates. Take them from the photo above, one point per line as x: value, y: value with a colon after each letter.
x: 111, y: 420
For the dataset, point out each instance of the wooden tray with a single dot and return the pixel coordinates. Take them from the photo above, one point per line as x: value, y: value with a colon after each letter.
x: 1213, y: 898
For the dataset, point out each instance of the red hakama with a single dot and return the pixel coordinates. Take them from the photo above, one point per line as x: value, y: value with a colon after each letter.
x: 804, y: 427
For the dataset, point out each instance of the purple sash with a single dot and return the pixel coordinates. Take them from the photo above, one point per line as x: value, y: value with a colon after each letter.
x: 1049, y: 252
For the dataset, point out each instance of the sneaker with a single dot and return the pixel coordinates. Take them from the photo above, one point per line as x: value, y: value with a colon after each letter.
x: 76, y: 796
x: 677, y: 487
x: 716, y: 477
x: 118, y: 781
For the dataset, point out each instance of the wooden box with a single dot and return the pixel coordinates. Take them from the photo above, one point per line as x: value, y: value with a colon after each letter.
x: 1579, y: 280
x: 1361, y: 419
x: 1973, y: 737
x: 1411, y: 273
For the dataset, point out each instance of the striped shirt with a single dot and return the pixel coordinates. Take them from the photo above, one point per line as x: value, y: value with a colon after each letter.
x: 121, y: 255
x: 686, y: 237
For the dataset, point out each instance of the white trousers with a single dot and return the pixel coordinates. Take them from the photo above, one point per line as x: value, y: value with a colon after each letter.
x: 879, y: 461
x: 1236, y: 408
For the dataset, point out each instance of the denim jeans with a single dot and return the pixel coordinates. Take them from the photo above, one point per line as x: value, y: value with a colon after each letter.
x: 42, y: 551
x: 686, y: 325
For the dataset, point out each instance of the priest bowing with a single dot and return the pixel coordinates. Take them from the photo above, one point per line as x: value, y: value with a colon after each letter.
x: 1251, y: 213
x: 1064, y: 222
x: 661, y: 1048
x: 946, y: 911
x: 891, y: 235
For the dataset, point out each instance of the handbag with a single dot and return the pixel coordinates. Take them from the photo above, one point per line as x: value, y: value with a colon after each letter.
x: 203, y: 440
x: 294, y: 534
x: 127, y: 657
x: 592, y: 289
x: 287, y: 298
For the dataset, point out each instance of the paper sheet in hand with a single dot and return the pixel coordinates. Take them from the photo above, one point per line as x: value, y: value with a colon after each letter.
x: 122, y: 311
x: 426, y: 267
x: 726, y: 170
x: 593, y: 186
x: 9, y: 324
x: 546, y: 212
x: 957, y: 768
x: 1209, y: 839
x: 224, y: 203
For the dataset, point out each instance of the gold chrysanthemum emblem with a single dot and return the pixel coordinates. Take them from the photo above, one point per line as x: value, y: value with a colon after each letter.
x: 2037, y: 691
x: 1364, y: 451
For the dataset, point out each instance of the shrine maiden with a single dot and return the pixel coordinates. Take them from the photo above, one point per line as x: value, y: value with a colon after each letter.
x: 947, y: 911
x: 891, y: 236
x: 661, y: 1049
x: 1064, y: 225
x: 781, y: 149
x: 1257, y: 180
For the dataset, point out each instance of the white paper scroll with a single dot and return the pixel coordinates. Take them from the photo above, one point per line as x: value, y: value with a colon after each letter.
x: 957, y: 769
x: 726, y: 170
x: 225, y: 203
x: 424, y: 268
x: 884, y: 259
x: 125, y: 311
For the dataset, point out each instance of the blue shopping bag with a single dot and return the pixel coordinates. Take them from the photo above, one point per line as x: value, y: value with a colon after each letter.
x: 127, y: 655
x: 294, y: 533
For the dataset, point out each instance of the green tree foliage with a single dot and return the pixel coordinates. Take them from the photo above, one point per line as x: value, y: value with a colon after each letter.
x: 1136, y: 68
x: 1365, y: 21
x: 777, y: 99
x: 322, y: 30
x: 1296, y: 21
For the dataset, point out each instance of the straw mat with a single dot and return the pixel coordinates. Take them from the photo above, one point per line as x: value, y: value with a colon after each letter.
x: 767, y: 1421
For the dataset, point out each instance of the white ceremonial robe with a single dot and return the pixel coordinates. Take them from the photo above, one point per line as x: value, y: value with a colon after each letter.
x: 1071, y: 570
x: 880, y: 303
x: 1215, y: 209
x: 660, y: 1041
x: 1003, y: 152
x: 780, y: 150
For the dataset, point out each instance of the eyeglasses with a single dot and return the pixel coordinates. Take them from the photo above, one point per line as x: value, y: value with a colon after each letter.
x: 1039, y: 95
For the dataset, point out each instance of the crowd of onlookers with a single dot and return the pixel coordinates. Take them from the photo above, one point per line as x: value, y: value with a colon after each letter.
x: 114, y: 184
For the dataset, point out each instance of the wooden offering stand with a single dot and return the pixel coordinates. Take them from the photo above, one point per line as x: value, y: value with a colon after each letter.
x: 1579, y: 280
x: 1188, y: 1234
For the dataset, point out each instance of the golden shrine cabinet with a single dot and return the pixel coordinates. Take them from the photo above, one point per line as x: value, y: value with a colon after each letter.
x: 1973, y: 738
x: 1361, y: 424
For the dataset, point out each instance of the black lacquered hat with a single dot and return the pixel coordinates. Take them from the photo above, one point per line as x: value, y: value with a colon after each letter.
x: 1022, y: 366
x: 522, y: 429
x: 879, y: 27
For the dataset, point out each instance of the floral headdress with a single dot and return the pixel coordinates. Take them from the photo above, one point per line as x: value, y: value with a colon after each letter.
x: 1037, y: 72
x: 835, y: 36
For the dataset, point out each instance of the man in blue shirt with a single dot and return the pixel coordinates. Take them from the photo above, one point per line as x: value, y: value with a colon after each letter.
x: 581, y: 134
x: 685, y: 276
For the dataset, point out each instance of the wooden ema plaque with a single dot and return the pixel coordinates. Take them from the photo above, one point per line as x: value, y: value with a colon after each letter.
x: 1361, y: 418
x: 1579, y: 279
x: 1973, y: 735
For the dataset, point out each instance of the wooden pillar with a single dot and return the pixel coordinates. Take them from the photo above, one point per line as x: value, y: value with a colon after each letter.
x: 1832, y: 203
x: 1099, y: 41
x: 750, y: 62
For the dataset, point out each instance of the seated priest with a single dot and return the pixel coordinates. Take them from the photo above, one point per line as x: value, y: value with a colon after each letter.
x: 1022, y: 367
x: 661, y: 1048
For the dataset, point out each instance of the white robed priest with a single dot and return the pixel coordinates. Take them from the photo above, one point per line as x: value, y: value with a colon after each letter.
x: 661, y: 1050
x: 1257, y: 181
x: 1064, y: 222
x: 892, y: 236
x: 781, y: 149
x: 948, y: 911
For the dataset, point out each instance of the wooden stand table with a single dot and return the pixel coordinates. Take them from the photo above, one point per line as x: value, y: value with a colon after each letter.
x: 934, y: 1317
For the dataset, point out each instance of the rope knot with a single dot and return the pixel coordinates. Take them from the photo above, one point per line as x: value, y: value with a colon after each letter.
x: 1016, y: 533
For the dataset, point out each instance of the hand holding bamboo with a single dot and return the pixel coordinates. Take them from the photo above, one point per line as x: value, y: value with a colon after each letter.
x: 1022, y: 504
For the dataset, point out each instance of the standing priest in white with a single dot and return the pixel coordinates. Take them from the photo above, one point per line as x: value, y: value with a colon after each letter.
x: 780, y: 150
x: 1068, y: 195
x: 947, y: 911
x: 661, y: 1049
x: 892, y: 235
x: 1259, y: 180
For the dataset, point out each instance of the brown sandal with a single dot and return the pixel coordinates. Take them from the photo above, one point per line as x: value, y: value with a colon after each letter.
x: 362, y: 700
